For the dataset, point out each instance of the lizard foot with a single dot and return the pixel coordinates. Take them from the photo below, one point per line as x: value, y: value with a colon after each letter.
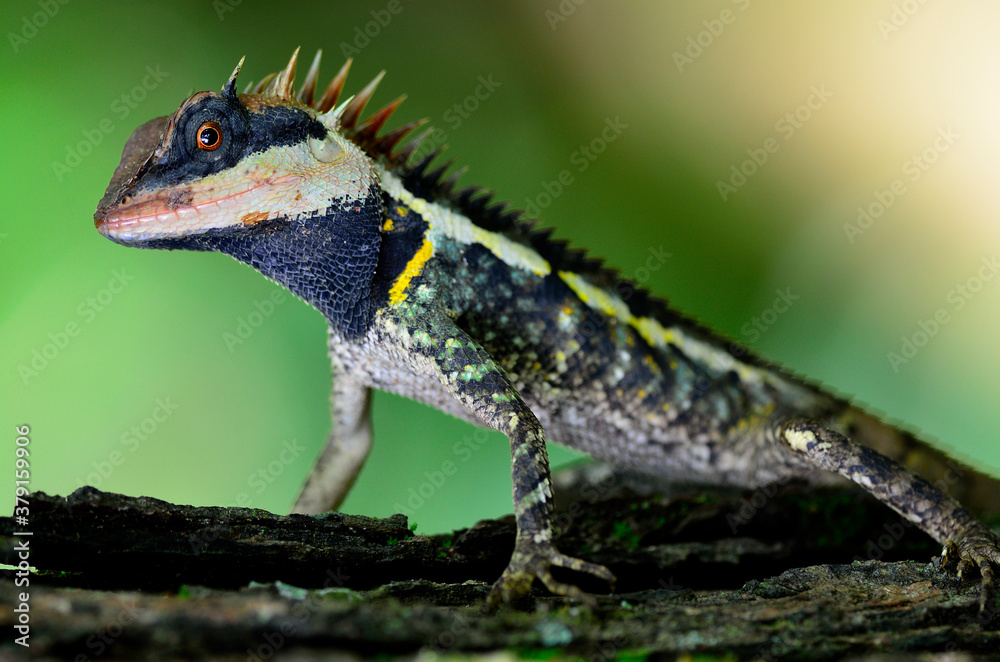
x: 976, y: 548
x: 532, y: 560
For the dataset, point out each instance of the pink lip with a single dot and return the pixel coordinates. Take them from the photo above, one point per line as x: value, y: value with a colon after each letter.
x: 134, y: 214
x: 160, y: 207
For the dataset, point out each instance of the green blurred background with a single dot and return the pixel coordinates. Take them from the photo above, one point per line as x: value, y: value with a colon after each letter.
x: 151, y: 327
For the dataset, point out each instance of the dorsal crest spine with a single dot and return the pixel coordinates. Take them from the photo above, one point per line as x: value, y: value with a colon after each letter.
x: 475, y: 202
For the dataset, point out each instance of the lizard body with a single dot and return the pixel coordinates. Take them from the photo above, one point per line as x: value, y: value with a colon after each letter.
x: 444, y: 297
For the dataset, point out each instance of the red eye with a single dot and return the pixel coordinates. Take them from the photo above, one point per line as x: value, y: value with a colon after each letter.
x: 209, y: 136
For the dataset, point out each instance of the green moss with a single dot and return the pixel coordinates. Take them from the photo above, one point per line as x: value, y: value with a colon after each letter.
x: 623, y: 531
x: 446, y: 543
x: 632, y: 655
x: 541, y: 654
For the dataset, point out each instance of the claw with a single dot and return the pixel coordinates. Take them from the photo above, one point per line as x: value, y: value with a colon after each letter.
x: 949, y: 556
x: 988, y: 589
x: 976, y: 549
x: 534, y: 561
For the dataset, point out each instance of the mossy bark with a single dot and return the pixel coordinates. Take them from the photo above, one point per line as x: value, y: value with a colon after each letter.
x: 744, y: 576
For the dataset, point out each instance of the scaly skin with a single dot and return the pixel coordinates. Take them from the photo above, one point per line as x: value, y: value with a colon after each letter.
x: 438, y: 296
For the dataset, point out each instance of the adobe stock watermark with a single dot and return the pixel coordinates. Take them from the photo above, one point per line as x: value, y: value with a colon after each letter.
x: 591, y: 491
x: 758, y: 325
x: 57, y: 341
x: 30, y: 25
x: 223, y: 7
x: 370, y: 30
x: 957, y: 298
x: 121, y: 108
x: 432, y: 481
x: 750, y: 332
x: 260, y: 480
x: 562, y: 12
x: 247, y: 324
x: 580, y: 159
x: 787, y: 127
x: 625, y: 288
x: 751, y: 505
x: 697, y: 44
x: 130, y: 440
x: 20, y: 575
x: 655, y: 259
x: 461, y: 111
x: 456, y: 116
x: 913, y: 169
x: 900, y: 15
x: 265, y: 476
x: 299, y: 615
x: 447, y: 638
x: 98, y: 643
x: 894, y: 532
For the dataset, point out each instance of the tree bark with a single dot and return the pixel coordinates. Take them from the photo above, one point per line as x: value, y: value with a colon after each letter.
x: 753, y: 576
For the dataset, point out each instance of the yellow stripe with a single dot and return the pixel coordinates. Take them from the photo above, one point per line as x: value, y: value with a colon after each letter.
x: 413, y: 268
x: 463, y: 231
x: 655, y: 333
x: 600, y: 300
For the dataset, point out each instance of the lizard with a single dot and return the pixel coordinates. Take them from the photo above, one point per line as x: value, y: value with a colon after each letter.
x: 446, y: 296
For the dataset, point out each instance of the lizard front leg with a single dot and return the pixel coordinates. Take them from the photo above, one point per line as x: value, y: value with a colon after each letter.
x: 469, y: 372
x: 346, y: 448
x: 534, y: 552
x: 968, y: 543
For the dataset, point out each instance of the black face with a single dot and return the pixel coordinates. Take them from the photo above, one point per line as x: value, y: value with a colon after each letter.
x: 216, y: 132
x: 212, y: 134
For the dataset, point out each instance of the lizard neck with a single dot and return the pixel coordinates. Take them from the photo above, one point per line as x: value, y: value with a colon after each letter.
x: 328, y: 259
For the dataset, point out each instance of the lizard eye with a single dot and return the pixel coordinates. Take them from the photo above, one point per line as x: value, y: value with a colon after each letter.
x: 209, y: 136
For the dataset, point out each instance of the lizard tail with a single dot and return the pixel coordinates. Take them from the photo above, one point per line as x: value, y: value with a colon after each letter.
x: 977, y: 491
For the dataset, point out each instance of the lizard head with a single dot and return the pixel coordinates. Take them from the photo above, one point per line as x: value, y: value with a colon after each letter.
x: 284, y: 182
x: 225, y: 164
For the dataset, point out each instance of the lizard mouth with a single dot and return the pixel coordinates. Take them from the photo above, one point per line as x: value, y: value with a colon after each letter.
x: 175, y: 213
x: 134, y: 214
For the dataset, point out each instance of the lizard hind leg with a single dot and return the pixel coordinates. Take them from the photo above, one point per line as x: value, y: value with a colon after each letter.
x: 968, y: 543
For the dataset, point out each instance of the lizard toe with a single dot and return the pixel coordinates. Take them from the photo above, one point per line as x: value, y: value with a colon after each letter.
x: 577, y: 565
x: 535, y: 562
x: 976, y: 551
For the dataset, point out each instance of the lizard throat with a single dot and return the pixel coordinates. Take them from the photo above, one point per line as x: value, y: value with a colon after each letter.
x: 328, y: 259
